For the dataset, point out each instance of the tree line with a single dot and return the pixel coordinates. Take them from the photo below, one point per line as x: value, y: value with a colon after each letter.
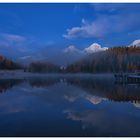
x: 6, y: 64
x: 43, y: 67
x: 116, y: 59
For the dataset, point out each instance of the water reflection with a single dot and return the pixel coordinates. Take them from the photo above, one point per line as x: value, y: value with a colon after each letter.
x: 108, y: 89
x: 69, y: 106
x: 105, y: 123
x: 37, y: 82
x: 6, y: 84
x: 96, y: 90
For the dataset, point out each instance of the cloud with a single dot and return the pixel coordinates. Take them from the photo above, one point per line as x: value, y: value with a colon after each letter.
x: 86, y: 30
x: 105, y: 24
x: 13, y: 40
x: 25, y: 57
x: 98, y: 7
x: 13, y: 37
x: 4, y: 44
x: 15, y: 46
x: 115, y: 7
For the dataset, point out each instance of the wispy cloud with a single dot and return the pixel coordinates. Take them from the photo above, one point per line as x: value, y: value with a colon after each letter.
x: 4, y: 44
x: 12, y: 37
x: 86, y: 30
x: 108, y: 19
x: 111, y: 8
x: 25, y: 57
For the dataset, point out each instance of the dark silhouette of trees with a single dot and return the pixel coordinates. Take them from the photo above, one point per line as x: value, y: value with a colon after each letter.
x: 43, y: 67
x: 6, y: 64
x: 116, y: 59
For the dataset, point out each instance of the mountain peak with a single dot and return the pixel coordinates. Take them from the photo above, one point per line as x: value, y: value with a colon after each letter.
x: 71, y: 48
x: 95, y: 47
x: 135, y: 43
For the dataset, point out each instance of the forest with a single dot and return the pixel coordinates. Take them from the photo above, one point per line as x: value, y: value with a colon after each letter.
x: 115, y: 59
x: 43, y: 67
x: 6, y: 64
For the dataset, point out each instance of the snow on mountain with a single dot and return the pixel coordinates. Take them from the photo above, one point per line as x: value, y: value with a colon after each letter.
x: 95, y: 47
x: 71, y: 49
x: 135, y: 43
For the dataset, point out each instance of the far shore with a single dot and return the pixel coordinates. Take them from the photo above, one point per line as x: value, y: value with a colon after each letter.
x: 19, y: 74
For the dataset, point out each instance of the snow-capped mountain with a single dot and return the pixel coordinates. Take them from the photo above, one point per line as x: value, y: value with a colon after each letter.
x: 71, y: 49
x: 95, y: 47
x: 135, y: 43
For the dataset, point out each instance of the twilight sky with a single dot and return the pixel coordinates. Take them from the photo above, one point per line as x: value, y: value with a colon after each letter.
x: 48, y: 31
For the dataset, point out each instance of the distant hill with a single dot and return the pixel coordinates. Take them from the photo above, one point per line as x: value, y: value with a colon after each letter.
x: 116, y: 59
x: 6, y: 64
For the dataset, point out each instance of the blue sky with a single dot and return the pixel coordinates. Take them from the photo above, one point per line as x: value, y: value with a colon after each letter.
x: 45, y: 30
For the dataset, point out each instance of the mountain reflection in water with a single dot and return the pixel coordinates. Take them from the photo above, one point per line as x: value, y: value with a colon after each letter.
x: 69, y: 106
x: 98, y: 88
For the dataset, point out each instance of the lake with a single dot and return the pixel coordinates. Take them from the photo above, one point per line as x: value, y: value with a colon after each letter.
x: 69, y: 106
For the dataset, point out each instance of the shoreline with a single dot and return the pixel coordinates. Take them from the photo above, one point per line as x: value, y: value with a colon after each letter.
x: 18, y: 74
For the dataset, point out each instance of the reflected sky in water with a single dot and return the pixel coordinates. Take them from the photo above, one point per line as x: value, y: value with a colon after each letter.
x: 69, y: 106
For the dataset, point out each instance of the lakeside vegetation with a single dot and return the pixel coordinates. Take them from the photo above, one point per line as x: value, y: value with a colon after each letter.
x: 116, y: 59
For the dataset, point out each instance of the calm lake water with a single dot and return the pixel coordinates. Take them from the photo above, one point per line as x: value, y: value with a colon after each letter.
x: 69, y: 106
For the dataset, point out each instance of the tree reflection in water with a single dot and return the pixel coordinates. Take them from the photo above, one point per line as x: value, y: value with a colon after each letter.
x: 68, y: 99
x: 98, y: 88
